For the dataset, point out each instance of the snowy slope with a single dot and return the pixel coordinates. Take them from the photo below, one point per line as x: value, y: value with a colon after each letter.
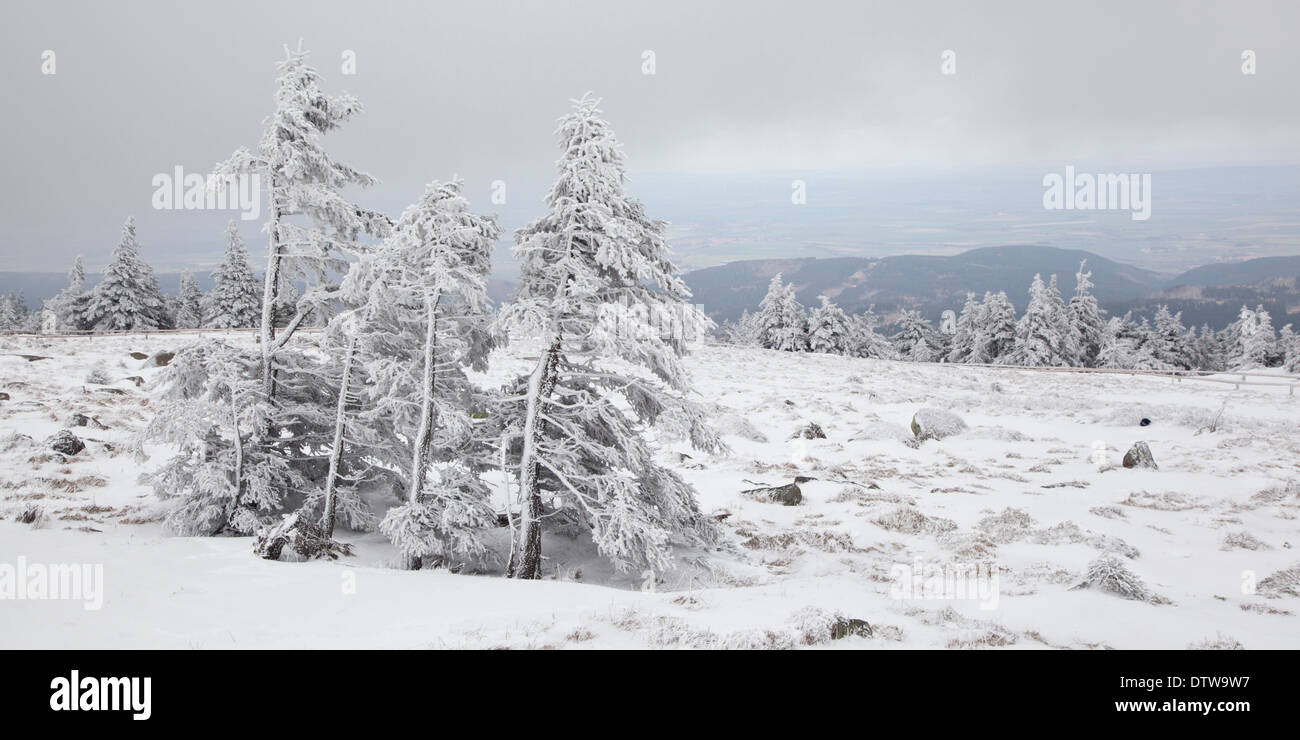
x: 1022, y: 488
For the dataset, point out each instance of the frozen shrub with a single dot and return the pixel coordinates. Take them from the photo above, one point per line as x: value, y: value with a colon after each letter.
x: 98, y: 375
x: 1108, y: 573
x: 1009, y: 526
x: 1285, y: 582
x: 33, y: 515
x: 1243, y: 540
x: 906, y: 520
x: 1220, y: 642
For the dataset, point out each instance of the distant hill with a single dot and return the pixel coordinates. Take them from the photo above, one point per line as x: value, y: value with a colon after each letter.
x: 1210, y: 294
x: 1239, y: 273
x: 930, y: 284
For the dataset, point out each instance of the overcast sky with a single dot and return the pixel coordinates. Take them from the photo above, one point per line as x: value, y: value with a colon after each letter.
x: 473, y: 88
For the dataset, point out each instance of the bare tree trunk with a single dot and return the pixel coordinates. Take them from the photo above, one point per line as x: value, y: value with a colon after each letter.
x: 336, y: 454
x: 270, y: 293
x: 527, y: 558
x: 424, y: 436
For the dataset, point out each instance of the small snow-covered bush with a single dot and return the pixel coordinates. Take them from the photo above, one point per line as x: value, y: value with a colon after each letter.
x: 1108, y: 573
x: 1243, y: 540
x: 1009, y: 526
x: 1220, y: 642
x: 98, y: 375
x: 906, y: 520
x: 1285, y: 582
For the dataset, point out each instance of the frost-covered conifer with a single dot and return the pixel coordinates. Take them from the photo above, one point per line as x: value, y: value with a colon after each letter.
x: 1252, y: 339
x: 15, y: 316
x: 1209, y: 350
x: 915, y: 339
x: 998, y: 332
x: 828, y: 329
x: 747, y: 331
x: 64, y: 305
x: 128, y: 296
x: 189, y: 303
x: 783, y: 323
x: 1044, y: 336
x: 419, y: 322
x: 1129, y: 345
x: 236, y: 298
x: 223, y: 478
x: 865, y: 341
x: 1170, y: 343
x: 968, y: 343
x: 1289, y: 341
x: 597, y: 284
x: 311, y: 226
x: 1086, y: 318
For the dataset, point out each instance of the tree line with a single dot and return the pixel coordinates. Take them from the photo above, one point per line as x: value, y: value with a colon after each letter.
x: 128, y: 298
x: 1051, y: 333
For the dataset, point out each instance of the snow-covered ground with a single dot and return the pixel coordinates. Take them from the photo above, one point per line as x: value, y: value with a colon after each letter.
x: 1032, y: 486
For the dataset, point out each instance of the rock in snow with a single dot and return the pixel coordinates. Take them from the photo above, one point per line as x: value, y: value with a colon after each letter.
x: 66, y: 443
x: 161, y: 359
x: 1139, y: 456
x: 787, y: 495
x: 931, y: 423
x: 813, y: 430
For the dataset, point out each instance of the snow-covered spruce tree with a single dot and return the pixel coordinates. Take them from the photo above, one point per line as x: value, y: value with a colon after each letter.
x: 915, y: 339
x: 1251, y: 338
x: 1087, y: 318
x: 967, y: 342
x: 128, y: 296
x: 189, y: 303
x: 746, y: 331
x: 1209, y: 350
x: 311, y: 225
x: 828, y: 329
x: 997, y: 334
x: 1170, y: 343
x: 1289, y: 341
x: 64, y: 305
x: 419, y: 322
x: 865, y: 341
x: 1263, y: 337
x: 15, y: 316
x: 1129, y: 345
x: 1044, y: 336
x: 782, y: 321
x: 597, y: 283
x: 236, y: 298
x: 223, y: 477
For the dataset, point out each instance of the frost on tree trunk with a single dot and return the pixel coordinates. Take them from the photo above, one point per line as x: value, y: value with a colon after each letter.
x: 526, y: 559
x: 336, y: 451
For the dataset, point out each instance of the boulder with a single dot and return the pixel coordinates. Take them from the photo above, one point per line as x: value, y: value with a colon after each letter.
x: 81, y: 420
x: 812, y: 430
x: 4, y: 396
x: 139, y: 356
x: 161, y: 358
x: 66, y: 443
x: 932, y: 423
x: 1139, y: 456
x: 848, y: 627
x: 787, y: 495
